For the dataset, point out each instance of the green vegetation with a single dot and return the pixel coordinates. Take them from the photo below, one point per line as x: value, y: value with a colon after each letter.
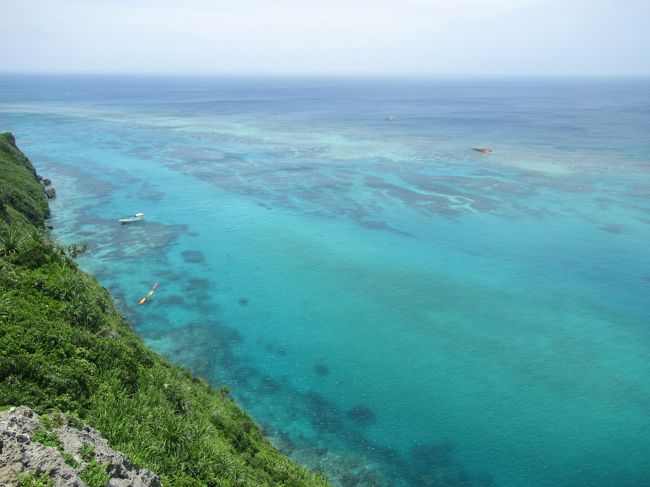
x: 64, y: 347
x: 31, y: 479
x: 46, y: 438
x: 94, y: 473
x: 69, y: 459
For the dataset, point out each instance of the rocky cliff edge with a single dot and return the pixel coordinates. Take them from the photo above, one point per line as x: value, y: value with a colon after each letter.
x: 51, y: 451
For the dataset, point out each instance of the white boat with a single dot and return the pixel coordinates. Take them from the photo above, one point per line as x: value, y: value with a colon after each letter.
x: 135, y: 218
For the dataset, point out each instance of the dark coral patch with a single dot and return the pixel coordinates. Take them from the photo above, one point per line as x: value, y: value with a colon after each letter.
x: 173, y: 299
x: 321, y: 370
x: 362, y: 414
x: 193, y: 256
x: 613, y: 228
x: 195, y: 283
x: 324, y: 415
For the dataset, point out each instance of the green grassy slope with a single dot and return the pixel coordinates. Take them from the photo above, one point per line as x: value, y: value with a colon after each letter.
x: 64, y: 346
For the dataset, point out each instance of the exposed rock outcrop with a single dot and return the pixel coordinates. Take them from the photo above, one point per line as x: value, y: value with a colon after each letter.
x: 50, y: 192
x: 22, y: 452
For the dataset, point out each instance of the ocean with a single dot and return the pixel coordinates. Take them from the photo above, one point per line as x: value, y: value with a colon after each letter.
x: 392, y: 307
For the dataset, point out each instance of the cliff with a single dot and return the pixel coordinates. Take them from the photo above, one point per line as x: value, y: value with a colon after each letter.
x: 52, y: 450
x: 65, y: 347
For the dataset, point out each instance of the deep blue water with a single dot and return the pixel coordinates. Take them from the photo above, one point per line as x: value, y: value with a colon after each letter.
x: 392, y: 307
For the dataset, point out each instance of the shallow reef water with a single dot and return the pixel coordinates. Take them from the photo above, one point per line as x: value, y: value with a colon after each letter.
x: 391, y: 307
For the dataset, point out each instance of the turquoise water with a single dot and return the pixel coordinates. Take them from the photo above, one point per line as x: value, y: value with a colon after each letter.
x: 393, y: 308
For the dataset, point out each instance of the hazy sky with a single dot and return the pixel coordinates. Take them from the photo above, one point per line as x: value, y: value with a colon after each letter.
x: 328, y: 37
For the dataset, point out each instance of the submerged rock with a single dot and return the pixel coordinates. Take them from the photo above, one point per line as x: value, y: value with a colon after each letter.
x: 21, y: 453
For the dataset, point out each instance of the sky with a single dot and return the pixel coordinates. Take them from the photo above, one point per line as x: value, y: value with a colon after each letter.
x: 328, y: 37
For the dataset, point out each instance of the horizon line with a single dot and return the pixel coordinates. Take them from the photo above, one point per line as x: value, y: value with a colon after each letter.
x: 350, y: 76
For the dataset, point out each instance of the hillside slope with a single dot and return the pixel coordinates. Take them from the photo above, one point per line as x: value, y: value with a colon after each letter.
x: 64, y: 347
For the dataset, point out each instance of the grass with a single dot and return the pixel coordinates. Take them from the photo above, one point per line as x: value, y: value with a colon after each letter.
x: 32, y: 479
x: 69, y: 459
x: 64, y: 347
x: 94, y: 474
x: 46, y: 438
